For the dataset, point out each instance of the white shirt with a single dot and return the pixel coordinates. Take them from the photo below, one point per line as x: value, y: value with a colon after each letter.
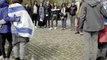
x: 35, y: 9
x: 63, y: 10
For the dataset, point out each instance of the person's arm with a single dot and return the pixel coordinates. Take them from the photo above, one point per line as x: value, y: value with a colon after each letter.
x: 103, y: 11
x: 75, y: 7
x: 12, y: 19
x: 6, y: 16
x: 82, y: 16
x: 2, y: 21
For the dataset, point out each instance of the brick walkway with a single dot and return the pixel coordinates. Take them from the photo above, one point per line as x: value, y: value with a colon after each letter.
x: 55, y: 45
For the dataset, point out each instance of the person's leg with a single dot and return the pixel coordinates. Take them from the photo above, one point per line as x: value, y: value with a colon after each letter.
x: 104, y: 50
x: 86, y: 51
x: 15, y: 47
x: 45, y: 21
x: 2, y: 44
x: 22, y: 50
x: 56, y: 21
x: 62, y: 23
x: 16, y: 51
x: 33, y: 18
x: 65, y: 19
x: 36, y: 19
x: 52, y: 21
x: 94, y: 45
x: 48, y: 22
x: 77, y: 28
x: 9, y: 39
x: 23, y: 47
x: 73, y: 22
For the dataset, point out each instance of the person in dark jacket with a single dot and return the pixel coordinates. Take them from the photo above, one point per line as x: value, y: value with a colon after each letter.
x: 47, y: 14
x: 91, y: 22
x: 35, y: 13
x: 54, y: 14
x: 73, y: 10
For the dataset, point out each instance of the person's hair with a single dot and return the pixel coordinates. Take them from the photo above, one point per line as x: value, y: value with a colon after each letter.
x: 17, y: 1
x: 63, y: 5
x: 54, y: 4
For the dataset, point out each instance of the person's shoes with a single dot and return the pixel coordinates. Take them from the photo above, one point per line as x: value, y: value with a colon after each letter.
x: 1, y: 57
x: 35, y: 27
x: 62, y: 29
x: 50, y: 28
x: 77, y: 33
x: 100, y: 58
x: 55, y: 27
x: 81, y: 33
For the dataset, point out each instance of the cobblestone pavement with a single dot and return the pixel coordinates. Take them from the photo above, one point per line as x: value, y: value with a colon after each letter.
x: 56, y: 45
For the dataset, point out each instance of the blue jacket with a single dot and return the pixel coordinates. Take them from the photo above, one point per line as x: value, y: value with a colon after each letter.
x: 6, y: 28
x: 41, y: 12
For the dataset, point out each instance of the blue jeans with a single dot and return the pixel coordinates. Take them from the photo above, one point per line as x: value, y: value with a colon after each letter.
x: 64, y: 22
x: 72, y: 22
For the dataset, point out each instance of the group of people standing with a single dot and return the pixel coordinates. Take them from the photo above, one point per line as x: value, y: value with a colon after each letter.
x: 46, y: 14
x: 17, y: 27
x: 90, y: 16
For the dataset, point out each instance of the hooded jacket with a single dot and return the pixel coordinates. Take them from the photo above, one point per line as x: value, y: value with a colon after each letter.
x: 92, y: 16
x: 5, y: 28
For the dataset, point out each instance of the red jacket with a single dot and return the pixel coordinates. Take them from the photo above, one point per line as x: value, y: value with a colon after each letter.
x: 103, y: 35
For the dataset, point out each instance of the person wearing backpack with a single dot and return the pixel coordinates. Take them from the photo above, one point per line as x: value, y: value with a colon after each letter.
x: 91, y: 22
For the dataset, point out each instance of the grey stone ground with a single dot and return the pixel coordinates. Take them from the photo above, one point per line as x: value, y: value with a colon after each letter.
x: 56, y: 45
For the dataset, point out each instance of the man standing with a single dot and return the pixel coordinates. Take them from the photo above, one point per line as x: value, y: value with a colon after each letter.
x: 91, y: 22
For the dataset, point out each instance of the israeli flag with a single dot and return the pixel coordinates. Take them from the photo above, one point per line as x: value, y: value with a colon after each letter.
x: 24, y: 27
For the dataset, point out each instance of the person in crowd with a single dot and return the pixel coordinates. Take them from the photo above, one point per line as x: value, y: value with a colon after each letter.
x: 22, y: 29
x: 5, y: 30
x: 102, y: 40
x: 73, y: 10
x: 79, y: 6
x: 91, y: 22
x: 54, y: 14
x: 68, y: 7
x: 28, y: 9
x: 63, y: 16
x: 68, y: 10
x: 35, y: 13
x: 47, y: 14
x: 41, y: 16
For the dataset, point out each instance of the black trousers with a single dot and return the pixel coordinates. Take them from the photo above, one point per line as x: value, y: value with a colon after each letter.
x: 103, y: 49
x: 3, y: 38
x: 47, y: 21
x: 35, y: 18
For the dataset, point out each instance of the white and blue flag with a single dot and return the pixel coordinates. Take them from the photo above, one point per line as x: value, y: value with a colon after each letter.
x: 24, y: 27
